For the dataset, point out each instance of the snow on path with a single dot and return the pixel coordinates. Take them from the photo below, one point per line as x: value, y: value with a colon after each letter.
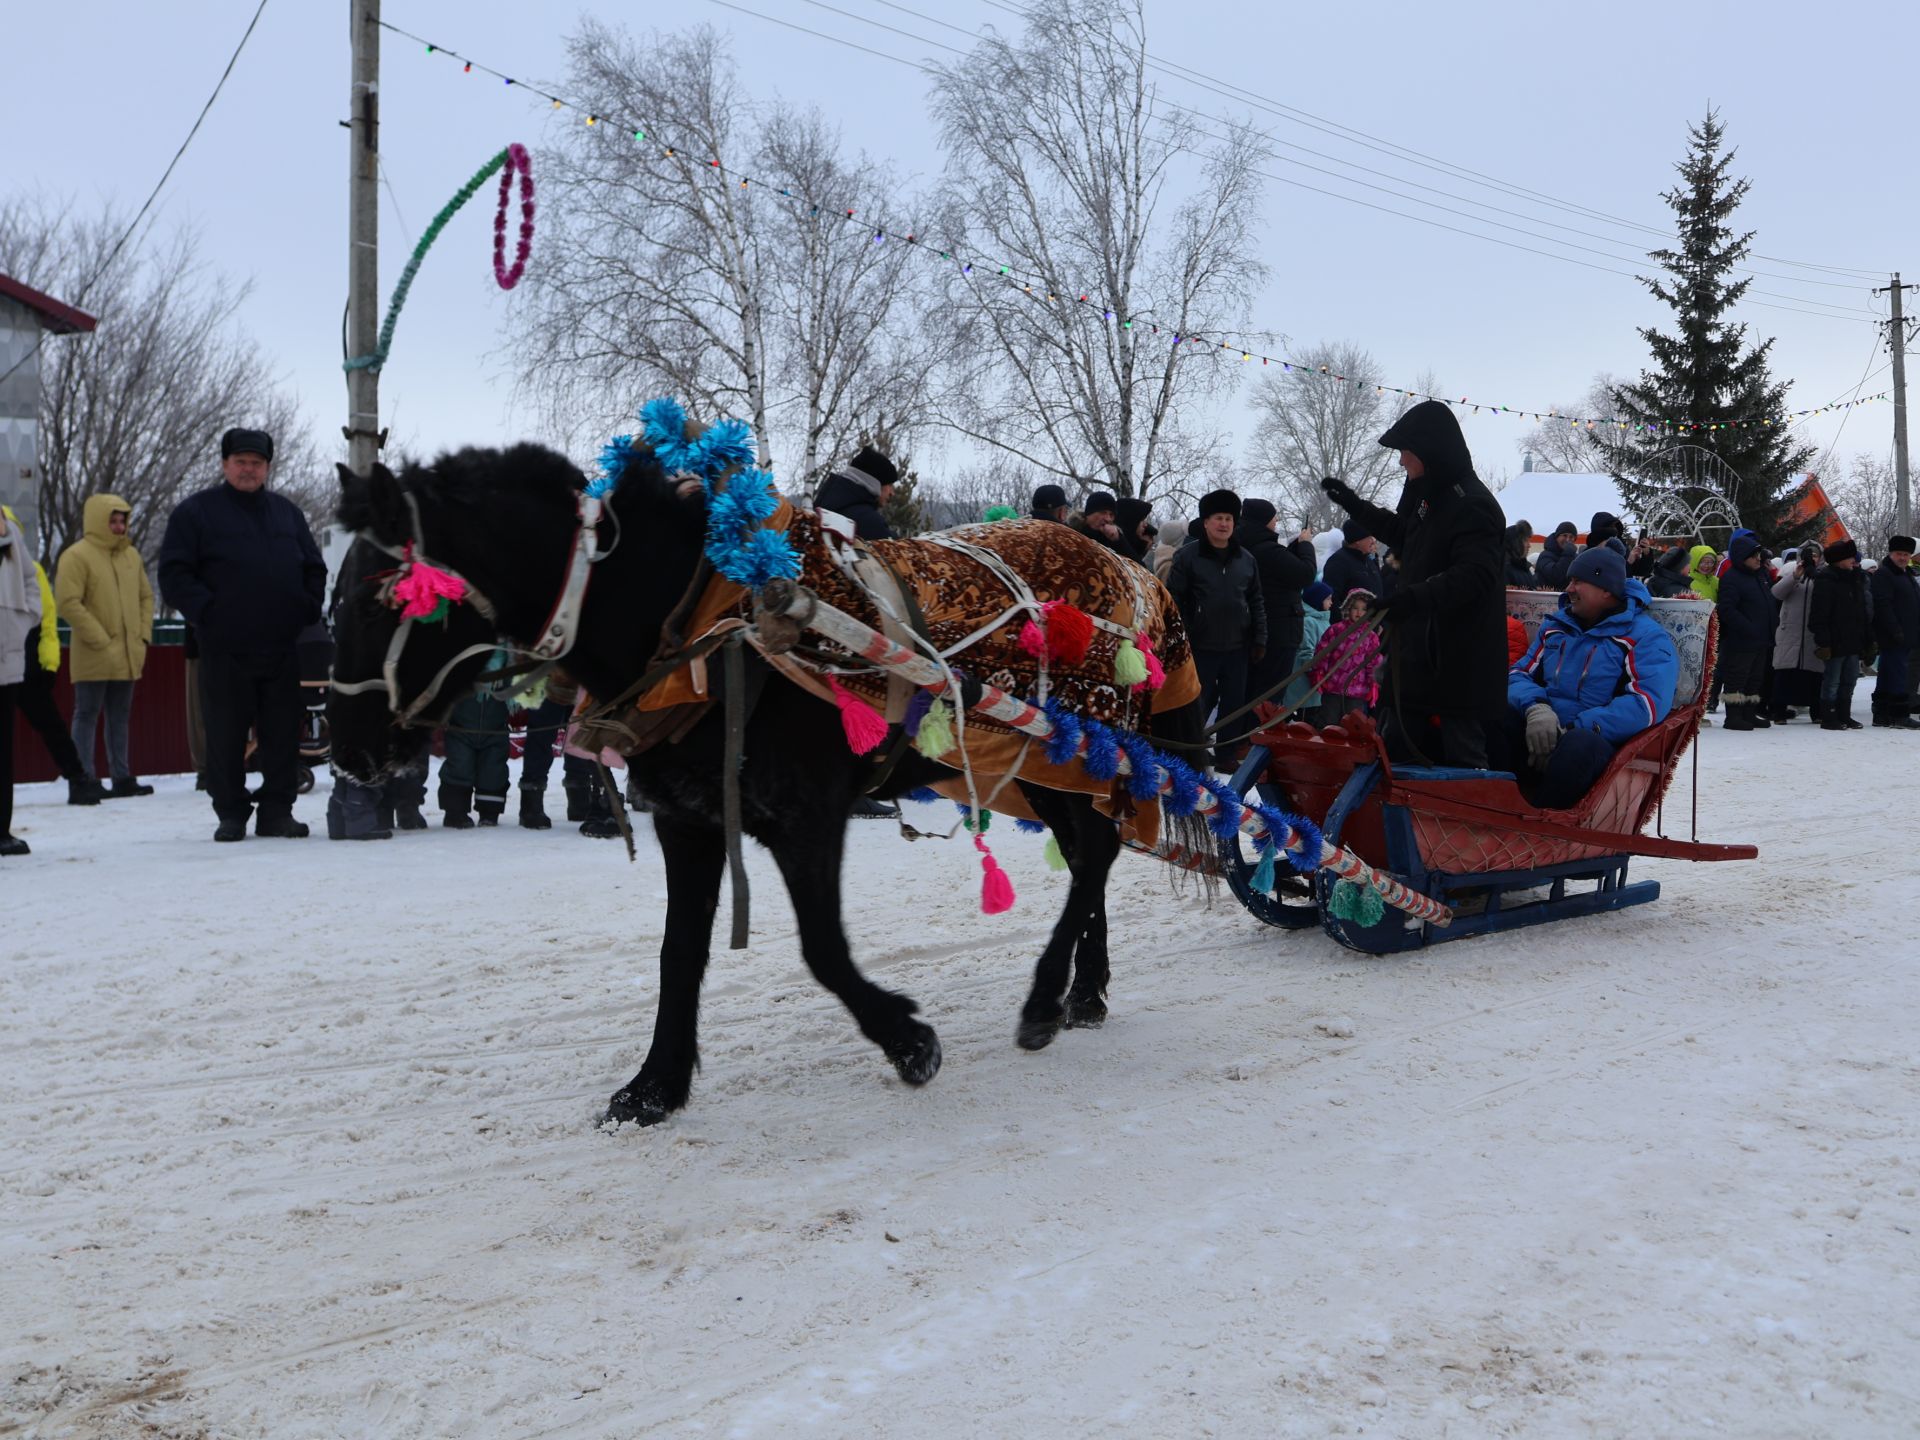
x: 300, y: 1142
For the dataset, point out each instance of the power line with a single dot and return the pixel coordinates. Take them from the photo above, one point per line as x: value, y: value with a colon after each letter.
x: 1829, y: 312
x: 1388, y: 147
x: 152, y: 194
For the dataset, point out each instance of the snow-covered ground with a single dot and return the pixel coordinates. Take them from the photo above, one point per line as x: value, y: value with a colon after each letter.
x: 300, y: 1142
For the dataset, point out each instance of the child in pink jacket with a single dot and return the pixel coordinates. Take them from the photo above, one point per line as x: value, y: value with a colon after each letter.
x: 1347, y: 661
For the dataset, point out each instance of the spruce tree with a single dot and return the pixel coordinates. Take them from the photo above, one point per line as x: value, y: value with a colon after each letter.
x: 1708, y: 384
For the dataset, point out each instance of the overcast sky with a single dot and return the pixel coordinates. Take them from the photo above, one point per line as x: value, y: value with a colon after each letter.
x: 1587, y: 104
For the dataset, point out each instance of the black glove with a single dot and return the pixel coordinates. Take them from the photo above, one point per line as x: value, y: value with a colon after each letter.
x: 1399, y: 602
x: 1341, y: 494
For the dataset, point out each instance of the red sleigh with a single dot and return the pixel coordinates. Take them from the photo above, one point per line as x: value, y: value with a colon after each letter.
x: 1470, y: 838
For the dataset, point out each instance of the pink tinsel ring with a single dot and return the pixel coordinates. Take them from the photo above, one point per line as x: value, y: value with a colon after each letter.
x: 517, y: 159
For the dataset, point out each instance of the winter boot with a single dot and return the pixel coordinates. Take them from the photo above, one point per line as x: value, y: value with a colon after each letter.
x: 456, y: 802
x: 489, y: 811
x: 579, y: 801
x: 599, y: 824
x: 533, y: 811
x: 127, y: 785
x: 83, y: 791
x: 1832, y: 722
x: 279, y: 827
x: 865, y: 807
x: 231, y: 830
x: 1739, y: 714
x: 10, y: 845
x: 408, y: 817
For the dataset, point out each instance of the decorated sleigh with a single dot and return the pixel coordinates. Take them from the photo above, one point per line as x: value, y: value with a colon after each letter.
x: 1470, y: 839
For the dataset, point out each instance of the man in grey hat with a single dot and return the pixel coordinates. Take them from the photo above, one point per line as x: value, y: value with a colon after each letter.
x: 240, y: 564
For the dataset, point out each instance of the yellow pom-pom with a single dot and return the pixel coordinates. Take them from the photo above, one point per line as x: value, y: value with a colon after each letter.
x: 936, y: 730
x: 1129, y: 668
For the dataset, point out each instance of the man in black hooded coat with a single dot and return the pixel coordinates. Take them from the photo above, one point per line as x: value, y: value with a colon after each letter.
x: 1445, y: 695
x: 858, y: 490
x: 1285, y: 570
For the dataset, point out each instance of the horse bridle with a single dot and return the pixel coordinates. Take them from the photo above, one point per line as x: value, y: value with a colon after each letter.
x: 557, y: 635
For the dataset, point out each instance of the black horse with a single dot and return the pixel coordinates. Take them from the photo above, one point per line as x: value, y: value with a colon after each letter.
x: 505, y: 521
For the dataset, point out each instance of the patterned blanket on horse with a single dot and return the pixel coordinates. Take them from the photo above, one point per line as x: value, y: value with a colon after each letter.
x: 960, y: 596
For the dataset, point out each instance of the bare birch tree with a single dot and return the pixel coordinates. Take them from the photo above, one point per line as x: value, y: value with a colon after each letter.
x: 1323, y: 417
x: 1069, y: 168
x: 742, y: 288
x: 1867, y: 503
x: 1558, y: 444
x: 137, y: 407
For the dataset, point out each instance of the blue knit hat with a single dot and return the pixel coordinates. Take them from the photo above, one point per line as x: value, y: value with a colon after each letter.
x: 1601, y: 566
x: 1316, y: 594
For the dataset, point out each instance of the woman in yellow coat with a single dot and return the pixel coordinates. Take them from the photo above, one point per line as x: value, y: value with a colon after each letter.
x: 102, y: 591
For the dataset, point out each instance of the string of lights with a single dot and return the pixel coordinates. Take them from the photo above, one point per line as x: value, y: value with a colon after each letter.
x: 1042, y: 291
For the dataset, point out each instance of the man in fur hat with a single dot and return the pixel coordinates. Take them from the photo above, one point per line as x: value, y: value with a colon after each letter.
x: 1896, y: 628
x: 859, y: 490
x: 1216, y: 583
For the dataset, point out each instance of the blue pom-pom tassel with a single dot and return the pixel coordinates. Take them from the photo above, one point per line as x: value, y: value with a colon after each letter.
x: 922, y: 796
x: 1029, y: 827
x: 663, y: 424
x: 614, y: 459
x: 726, y: 444
x: 1143, y: 781
x: 1103, y: 750
x: 1064, y: 743
x: 1263, y: 872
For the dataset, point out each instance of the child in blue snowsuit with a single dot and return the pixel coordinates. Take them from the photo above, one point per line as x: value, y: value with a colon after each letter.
x: 474, y: 774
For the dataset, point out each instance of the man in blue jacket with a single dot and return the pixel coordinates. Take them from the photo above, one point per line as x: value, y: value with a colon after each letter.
x: 1600, y: 671
x: 239, y: 563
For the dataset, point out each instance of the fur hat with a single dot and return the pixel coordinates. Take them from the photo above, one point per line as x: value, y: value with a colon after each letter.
x: 1216, y: 502
x: 1842, y: 550
x: 246, y: 442
x: 1602, y: 525
x: 1255, y: 513
x: 1096, y: 502
x: 1601, y: 566
x: 1901, y: 542
x: 1315, y: 595
x: 1047, y: 499
x: 872, y: 462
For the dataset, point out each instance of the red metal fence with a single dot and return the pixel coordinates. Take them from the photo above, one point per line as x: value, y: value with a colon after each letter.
x: 158, y: 739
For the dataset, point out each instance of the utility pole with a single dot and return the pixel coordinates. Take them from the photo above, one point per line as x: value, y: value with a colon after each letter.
x: 1897, y: 339
x: 362, y: 429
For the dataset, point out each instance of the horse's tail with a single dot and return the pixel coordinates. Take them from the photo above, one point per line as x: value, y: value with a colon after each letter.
x: 1182, y: 733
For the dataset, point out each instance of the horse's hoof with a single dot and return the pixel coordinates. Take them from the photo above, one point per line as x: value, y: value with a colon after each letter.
x: 636, y: 1106
x: 1036, y: 1034
x: 1086, y: 1012
x: 919, y: 1061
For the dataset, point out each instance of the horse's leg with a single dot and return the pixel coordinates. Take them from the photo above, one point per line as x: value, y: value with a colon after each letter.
x: 810, y: 864
x: 695, y: 857
x: 1042, y: 1015
x: 1097, y: 847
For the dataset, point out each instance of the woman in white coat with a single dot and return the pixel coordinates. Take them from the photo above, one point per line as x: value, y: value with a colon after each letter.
x: 19, y: 613
x: 1796, y: 666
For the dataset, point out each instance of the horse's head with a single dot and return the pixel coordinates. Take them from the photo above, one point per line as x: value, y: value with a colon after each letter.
x: 411, y: 631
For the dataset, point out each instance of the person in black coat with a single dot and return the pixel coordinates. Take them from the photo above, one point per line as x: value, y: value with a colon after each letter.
x: 1354, y: 566
x: 858, y: 490
x: 1519, y: 574
x: 1216, y: 583
x: 1841, y: 618
x: 1896, y: 628
x: 1050, y: 503
x: 1746, y: 634
x: 1138, y: 533
x: 1671, y: 573
x: 1445, y: 697
x: 1550, y: 566
x: 1285, y: 570
x: 239, y: 563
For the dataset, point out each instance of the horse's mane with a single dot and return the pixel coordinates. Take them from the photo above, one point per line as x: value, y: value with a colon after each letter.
x: 480, y: 475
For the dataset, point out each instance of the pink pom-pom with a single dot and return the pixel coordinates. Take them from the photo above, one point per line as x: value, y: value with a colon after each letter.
x: 1156, y: 672
x: 866, y: 727
x: 1032, y: 641
x: 423, y: 587
x: 996, y: 890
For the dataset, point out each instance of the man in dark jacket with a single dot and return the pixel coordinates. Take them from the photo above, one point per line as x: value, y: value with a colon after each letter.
x: 1841, y: 618
x: 1671, y: 572
x: 1216, y: 583
x: 1896, y: 628
x: 1445, y: 698
x: 1354, y: 566
x: 858, y: 490
x: 1097, y: 519
x: 239, y: 563
x: 1285, y: 570
x: 1746, y: 634
x: 1519, y: 574
x: 1050, y: 503
x: 1550, y: 568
